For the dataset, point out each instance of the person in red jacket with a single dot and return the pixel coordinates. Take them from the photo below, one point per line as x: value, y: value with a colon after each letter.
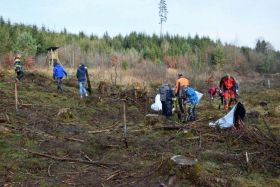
x: 228, y: 90
x: 212, y: 91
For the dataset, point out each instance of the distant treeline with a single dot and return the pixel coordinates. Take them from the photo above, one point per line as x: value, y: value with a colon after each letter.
x: 174, y: 51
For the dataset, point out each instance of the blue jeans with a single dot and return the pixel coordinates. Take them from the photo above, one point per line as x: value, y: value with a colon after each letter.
x: 191, y: 112
x: 83, y: 90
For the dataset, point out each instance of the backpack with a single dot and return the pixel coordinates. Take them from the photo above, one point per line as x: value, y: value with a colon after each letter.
x: 164, y: 92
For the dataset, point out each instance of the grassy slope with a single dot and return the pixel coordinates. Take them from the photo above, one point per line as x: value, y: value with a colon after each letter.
x: 143, y: 163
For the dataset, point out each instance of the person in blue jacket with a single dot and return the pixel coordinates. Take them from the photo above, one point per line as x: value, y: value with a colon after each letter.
x: 58, y: 74
x: 192, y: 100
x: 81, y: 76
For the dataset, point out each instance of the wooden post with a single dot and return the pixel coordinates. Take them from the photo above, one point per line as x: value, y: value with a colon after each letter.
x: 200, y: 140
x: 73, y: 62
x: 247, y: 157
x: 268, y: 83
x: 16, y: 96
x: 51, y: 65
x: 116, y: 74
x: 125, y: 127
x: 88, y: 82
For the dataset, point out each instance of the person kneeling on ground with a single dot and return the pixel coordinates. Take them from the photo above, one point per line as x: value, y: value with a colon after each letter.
x: 192, y: 100
x: 81, y: 76
x: 166, y: 95
x: 212, y: 91
x: 58, y: 74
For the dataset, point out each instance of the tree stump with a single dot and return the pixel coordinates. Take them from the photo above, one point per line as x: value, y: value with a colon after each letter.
x: 65, y: 113
x: 4, y: 130
x: 182, y: 167
x: 152, y: 119
x: 104, y: 88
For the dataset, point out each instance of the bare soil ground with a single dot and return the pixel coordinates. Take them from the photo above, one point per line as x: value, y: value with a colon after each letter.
x: 85, y: 146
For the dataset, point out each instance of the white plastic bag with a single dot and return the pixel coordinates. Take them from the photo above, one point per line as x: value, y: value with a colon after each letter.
x: 225, y: 122
x: 199, y: 95
x: 157, y: 105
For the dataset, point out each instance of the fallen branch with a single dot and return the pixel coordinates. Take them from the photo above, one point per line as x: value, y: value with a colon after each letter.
x: 114, y: 175
x: 114, y: 124
x: 63, y: 159
x: 228, y: 156
x: 7, y: 118
x: 98, y: 131
x: 74, y: 139
x: 210, y: 135
x: 16, y: 96
x: 193, y: 138
x: 172, y: 127
x: 41, y: 133
x: 269, y: 130
x: 49, y: 170
x: 139, y: 130
x: 107, y: 129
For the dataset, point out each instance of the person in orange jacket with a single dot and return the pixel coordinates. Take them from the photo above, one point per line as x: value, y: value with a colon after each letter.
x: 228, y: 88
x: 181, y: 84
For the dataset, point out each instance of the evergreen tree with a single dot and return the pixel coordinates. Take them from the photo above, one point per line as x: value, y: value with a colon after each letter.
x: 261, y: 46
x: 25, y: 44
x: 217, y: 57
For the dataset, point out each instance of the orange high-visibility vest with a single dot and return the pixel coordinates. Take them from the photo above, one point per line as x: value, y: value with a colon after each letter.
x: 183, y: 83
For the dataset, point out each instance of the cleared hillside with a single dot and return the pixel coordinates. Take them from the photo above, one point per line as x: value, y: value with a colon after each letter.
x: 85, y: 146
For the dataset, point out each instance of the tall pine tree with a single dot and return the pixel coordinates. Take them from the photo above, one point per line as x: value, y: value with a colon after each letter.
x: 162, y: 14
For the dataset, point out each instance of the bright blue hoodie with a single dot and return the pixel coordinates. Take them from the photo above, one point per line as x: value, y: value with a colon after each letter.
x: 58, y: 71
x: 191, y: 96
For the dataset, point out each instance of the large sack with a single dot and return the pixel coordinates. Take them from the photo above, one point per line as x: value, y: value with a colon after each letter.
x: 199, y: 95
x: 229, y: 120
x: 157, y: 105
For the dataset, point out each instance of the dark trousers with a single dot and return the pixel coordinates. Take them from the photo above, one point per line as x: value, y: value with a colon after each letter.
x: 182, y: 109
x: 166, y: 108
x: 19, y: 73
x: 59, y: 84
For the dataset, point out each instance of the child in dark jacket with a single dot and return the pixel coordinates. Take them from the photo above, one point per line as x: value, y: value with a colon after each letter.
x: 166, y: 96
x: 81, y: 76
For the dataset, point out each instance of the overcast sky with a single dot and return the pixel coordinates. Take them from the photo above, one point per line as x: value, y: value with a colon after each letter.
x: 239, y: 22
